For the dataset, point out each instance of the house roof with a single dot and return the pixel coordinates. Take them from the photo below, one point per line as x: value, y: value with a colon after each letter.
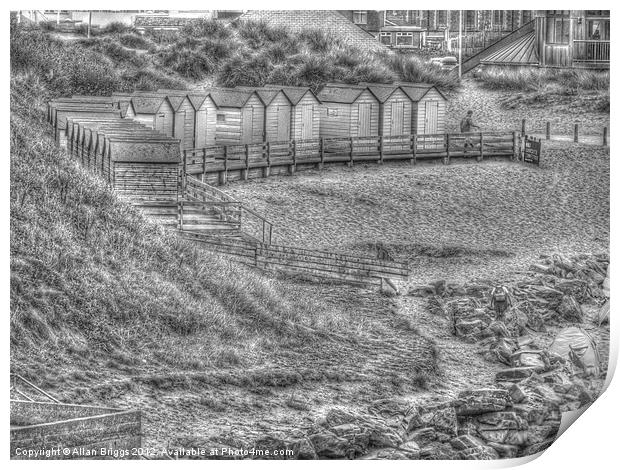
x: 230, y: 97
x: 417, y: 91
x: 293, y: 93
x: 147, y: 104
x: 341, y: 93
x: 520, y: 52
x: 267, y: 95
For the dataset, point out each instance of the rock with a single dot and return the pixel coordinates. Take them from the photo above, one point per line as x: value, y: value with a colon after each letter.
x: 570, y: 309
x: 382, y: 436
x: 328, y: 445
x: 469, y: 327
x: 305, y: 451
x: 530, y: 358
x: 442, y: 419
x: 465, y: 441
x: 505, y: 451
x: 499, y: 329
x: 514, y: 374
x: 272, y: 444
x: 390, y: 454
x: 517, y: 393
x: 438, y: 451
x: 501, y: 420
x: 478, y: 453
x: 423, y: 436
x: 539, y: 447
x: 539, y: 433
x: 473, y: 402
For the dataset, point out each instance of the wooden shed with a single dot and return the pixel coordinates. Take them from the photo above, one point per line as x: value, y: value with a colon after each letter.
x: 428, y: 108
x: 184, y: 117
x: 305, y: 112
x: 348, y: 111
x: 154, y: 111
x: 277, y: 120
x: 240, y: 116
x: 204, y: 121
x: 395, y: 109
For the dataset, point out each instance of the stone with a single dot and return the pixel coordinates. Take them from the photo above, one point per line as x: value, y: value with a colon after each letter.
x: 516, y: 438
x: 474, y: 402
x: 539, y: 447
x: 478, y: 453
x: 382, y: 436
x: 328, y: 445
x: 517, y: 393
x: 529, y: 358
x: 305, y: 451
x: 423, y: 436
x: 273, y: 443
x: 501, y: 420
x: 442, y: 419
x: 504, y: 451
x: 438, y: 451
x: 390, y: 454
x: 499, y: 329
x: 465, y: 441
x: 539, y: 433
x: 514, y: 374
x: 570, y: 309
x: 469, y: 327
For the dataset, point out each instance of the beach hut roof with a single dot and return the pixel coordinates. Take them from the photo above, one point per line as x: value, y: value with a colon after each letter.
x: 417, y: 91
x: 231, y: 98
x: 341, y: 93
x: 147, y: 104
x: 293, y: 93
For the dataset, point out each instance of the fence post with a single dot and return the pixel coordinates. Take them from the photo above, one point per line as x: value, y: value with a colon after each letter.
x: 321, y: 152
x: 414, y: 150
x: 180, y: 215
x: 381, y: 150
x: 481, y: 156
x: 294, y: 165
x: 446, y: 160
x: 604, y: 136
x: 204, y: 164
x: 523, y: 127
x: 267, y: 169
x: 548, y: 133
x: 350, y: 152
x: 576, y: 132
x: 246, y: 172
x: 184, y: 173
x: 515, y: 146
x: 224, y: 174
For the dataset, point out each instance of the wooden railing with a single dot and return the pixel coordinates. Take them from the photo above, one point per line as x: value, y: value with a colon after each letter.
x: 228, y: 209
x: 214, y: 164
x: 307, y: 263
x: 590, y: 51
x: 17, y: 380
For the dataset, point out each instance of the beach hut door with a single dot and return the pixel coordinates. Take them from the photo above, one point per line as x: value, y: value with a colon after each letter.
x: 284, y: 122
x: 398, y: 118
x: 306, y: 122
x: 430, y: 118
x: 248, y: 124
x: 364, y: 119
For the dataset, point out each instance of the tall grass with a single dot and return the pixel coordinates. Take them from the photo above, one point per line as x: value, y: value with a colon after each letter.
x: 410, y: 68
x: 541, y: 79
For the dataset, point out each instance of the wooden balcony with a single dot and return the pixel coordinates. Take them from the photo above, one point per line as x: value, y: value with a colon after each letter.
x: 590, y: 51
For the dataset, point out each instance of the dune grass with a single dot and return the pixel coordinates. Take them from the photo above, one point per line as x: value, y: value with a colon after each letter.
x: 539, y: 79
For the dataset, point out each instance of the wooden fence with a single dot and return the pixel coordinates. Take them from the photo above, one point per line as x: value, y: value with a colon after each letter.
x: 307, y: 263
x: 217, y: 165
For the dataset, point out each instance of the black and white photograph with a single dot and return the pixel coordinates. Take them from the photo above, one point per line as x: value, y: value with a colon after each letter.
x: 327, y: 234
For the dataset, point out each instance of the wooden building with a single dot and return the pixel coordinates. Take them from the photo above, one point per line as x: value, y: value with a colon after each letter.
x: 205, y: 120
x: 305, y: 111
x: 395, y: 109
x: 428, y: 108
x: 240, y: 116
x: 277, y: 118
x: 348, y: 111
x: 184, y: 117
x: 153, y: 111
x: 573, y: 38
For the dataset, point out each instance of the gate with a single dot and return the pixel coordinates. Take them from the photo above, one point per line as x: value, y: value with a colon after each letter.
x: 532, y: 150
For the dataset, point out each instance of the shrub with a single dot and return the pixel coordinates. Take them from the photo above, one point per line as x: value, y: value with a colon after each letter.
x: 318, y: 40
x: 116, y: 27
x: 245, y: 71
x: 135, y: 41
x: 206, y: 28
x: 410, y: 68
x: 259, y: 33
x: 216, y: 49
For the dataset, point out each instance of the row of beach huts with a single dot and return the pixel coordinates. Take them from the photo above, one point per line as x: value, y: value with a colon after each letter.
x: 273, y: 113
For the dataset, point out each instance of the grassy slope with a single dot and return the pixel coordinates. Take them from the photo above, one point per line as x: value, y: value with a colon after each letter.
x: 91, y: 278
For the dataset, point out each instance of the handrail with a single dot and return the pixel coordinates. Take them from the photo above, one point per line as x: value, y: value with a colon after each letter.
x: 31, y: 385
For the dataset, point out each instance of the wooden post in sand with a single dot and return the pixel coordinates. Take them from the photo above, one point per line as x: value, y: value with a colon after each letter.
x: 576, y: 132
x: 548, y: 131
x: 604, y: 136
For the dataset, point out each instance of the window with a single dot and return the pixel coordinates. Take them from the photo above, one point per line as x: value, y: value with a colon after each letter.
x: 386, y: 39
x: 404, y: 39
x: 221, y: 117
x: 558, y: 30
x: 360, y: 17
